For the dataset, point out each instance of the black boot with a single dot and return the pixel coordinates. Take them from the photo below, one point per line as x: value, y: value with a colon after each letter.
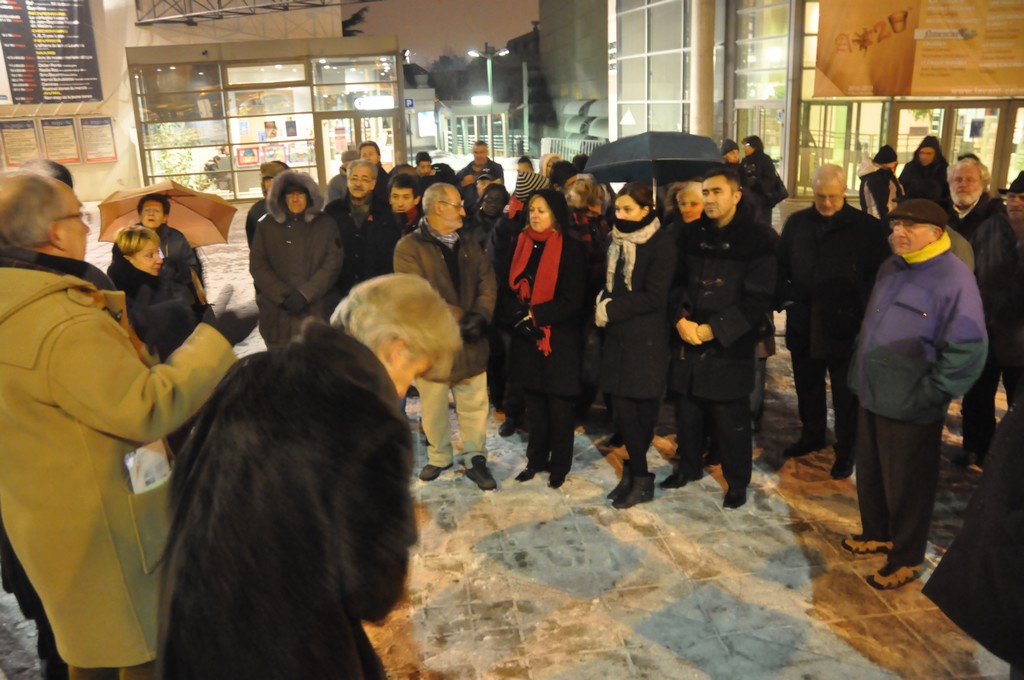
x: 625, y: 483
x: 642, y: 491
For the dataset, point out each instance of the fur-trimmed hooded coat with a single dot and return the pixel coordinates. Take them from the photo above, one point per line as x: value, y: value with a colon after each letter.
x: 291, y: 518
x: 293, y: 252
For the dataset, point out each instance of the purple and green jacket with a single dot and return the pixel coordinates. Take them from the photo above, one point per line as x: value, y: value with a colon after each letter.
x: 923, y: 339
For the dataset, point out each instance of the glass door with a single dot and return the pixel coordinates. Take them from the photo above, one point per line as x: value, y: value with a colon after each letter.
x: 337, y: 133
x: 974, y: 131
x: 912, y: 122
x: 1015, y: 150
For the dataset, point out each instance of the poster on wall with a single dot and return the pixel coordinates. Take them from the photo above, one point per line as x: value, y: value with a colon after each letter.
x: 60, y: 140
x: 49, y: 52
x: 920, y: 48
x: 98, y: 139
x: 21, y: 143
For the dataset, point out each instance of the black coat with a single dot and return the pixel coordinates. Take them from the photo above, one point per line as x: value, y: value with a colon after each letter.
x: 291, y: 518
x: 967, y: 225
x: 729, y: 276
x: 977, y: 584
x: 559, y: 372
x: 927, y: 181
x: 759, y: 181
x: 879, y: 185
x: 634, y: 350
x: 369, y: 249
x: 827, y: 267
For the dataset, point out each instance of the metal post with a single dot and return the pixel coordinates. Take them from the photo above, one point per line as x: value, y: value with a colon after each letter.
x: 490, y: 96
x: 526, y: 109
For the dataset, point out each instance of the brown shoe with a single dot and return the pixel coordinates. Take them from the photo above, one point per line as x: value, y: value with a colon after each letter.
x: 859, y: 545
x: 890, y: 576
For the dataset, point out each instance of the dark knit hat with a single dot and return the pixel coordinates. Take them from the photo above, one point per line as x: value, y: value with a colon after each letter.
x: 527, y: 183
x: 272, y: 169
x: 885, y: 155
x: 920, y: 210
x: 729, y: 145
x: 486, y: 175
x: 1016, y: 186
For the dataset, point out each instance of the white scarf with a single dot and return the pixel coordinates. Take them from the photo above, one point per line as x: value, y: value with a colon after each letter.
x: 626, y: 245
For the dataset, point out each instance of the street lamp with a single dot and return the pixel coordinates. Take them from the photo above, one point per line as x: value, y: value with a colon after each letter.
x: 489, y: 53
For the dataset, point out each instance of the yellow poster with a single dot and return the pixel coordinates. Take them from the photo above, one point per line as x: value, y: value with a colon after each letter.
x: 960, y: 48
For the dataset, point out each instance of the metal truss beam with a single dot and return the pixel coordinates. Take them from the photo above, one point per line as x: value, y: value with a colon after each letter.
x: 190, y: 12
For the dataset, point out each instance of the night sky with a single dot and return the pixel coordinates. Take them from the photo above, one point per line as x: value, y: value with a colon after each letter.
x: 428, y: 27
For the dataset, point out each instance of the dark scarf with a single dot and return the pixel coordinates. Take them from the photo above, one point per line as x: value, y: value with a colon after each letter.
x: 546, y: 279
x: 129, y: 278
x: 22, y: 258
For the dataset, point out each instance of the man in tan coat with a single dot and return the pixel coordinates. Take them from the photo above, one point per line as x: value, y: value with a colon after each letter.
x: 77, y: 395
x: 458, y: 269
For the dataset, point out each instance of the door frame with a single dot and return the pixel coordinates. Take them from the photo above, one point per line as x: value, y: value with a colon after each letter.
x: 1007, y: 112
x: 398, y: 132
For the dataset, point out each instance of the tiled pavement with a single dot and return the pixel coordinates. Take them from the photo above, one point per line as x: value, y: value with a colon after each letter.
x: 532, y: 582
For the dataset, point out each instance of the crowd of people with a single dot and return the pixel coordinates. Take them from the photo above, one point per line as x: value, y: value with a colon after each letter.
x: 532, y: 302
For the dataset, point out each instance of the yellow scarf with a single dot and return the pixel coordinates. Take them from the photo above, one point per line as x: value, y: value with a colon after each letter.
x: 931, y: 250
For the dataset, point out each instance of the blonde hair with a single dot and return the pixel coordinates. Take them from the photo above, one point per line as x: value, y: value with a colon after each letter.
x: 131, y: 240
x: 402, y: 307
x: 586, y: 193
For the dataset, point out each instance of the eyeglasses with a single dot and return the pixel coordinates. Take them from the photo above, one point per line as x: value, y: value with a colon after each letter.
x: 457, y: 206
x: 86, y: 218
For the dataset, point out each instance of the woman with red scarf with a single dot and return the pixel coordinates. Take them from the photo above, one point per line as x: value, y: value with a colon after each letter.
x: 546, y: 285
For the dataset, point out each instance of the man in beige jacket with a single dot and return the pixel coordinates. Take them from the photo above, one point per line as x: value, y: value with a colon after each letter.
x: 78, y: 393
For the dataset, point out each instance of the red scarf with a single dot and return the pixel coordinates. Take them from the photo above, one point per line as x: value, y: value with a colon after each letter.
x: 547, y: 274
x: 514, y: 206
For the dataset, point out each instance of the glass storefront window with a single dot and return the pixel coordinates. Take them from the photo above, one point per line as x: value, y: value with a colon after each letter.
x: 975, y: 132
x: 198, y: 133
x: 180, y: 106
x: 355, y: 97
x: 253, y: 74
x: 666, y: 26
x: 632, y: 33
x: 633, y: 79
x: 362, y: 70
x: 762, y: 23
x: 175, y: 78
x: 632, y: 119
x: 762, y: 54
x: 1017, y: 153
x: 268, y: 102
x: 201, y: 168
x: 270, y: 128
x: 666, y: 76
x: 912, y: 126
x: 665, y: 117
x: 761, y: 85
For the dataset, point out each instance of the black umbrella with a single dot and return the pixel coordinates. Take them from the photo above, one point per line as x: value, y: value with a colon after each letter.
x: 661, y: 156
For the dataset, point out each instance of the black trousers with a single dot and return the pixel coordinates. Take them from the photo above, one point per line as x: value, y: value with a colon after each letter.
x: 809, y: 379
x: 979, y: 408
x: 635, y: 420
x: 729, y: 425
x: 552, y: 423
x: 512, y: 394
x: 897, y: 476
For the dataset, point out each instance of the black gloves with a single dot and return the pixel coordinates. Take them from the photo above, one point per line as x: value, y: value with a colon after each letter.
x: 526, y: 329
x: 295, y: 302
x: 235, y: 326
x: 472, y: 326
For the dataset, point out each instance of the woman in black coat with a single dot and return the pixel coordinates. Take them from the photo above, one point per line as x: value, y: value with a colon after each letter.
x: 545, y: 290
x: 161, y: 319
x: 761, y: 182
x: 977, y: 583
x: 632, y: 309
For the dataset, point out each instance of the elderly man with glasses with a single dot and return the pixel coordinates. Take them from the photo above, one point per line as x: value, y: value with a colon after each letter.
x: 460, y: 271
x: 80, y: 394
x: 921, y: 344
